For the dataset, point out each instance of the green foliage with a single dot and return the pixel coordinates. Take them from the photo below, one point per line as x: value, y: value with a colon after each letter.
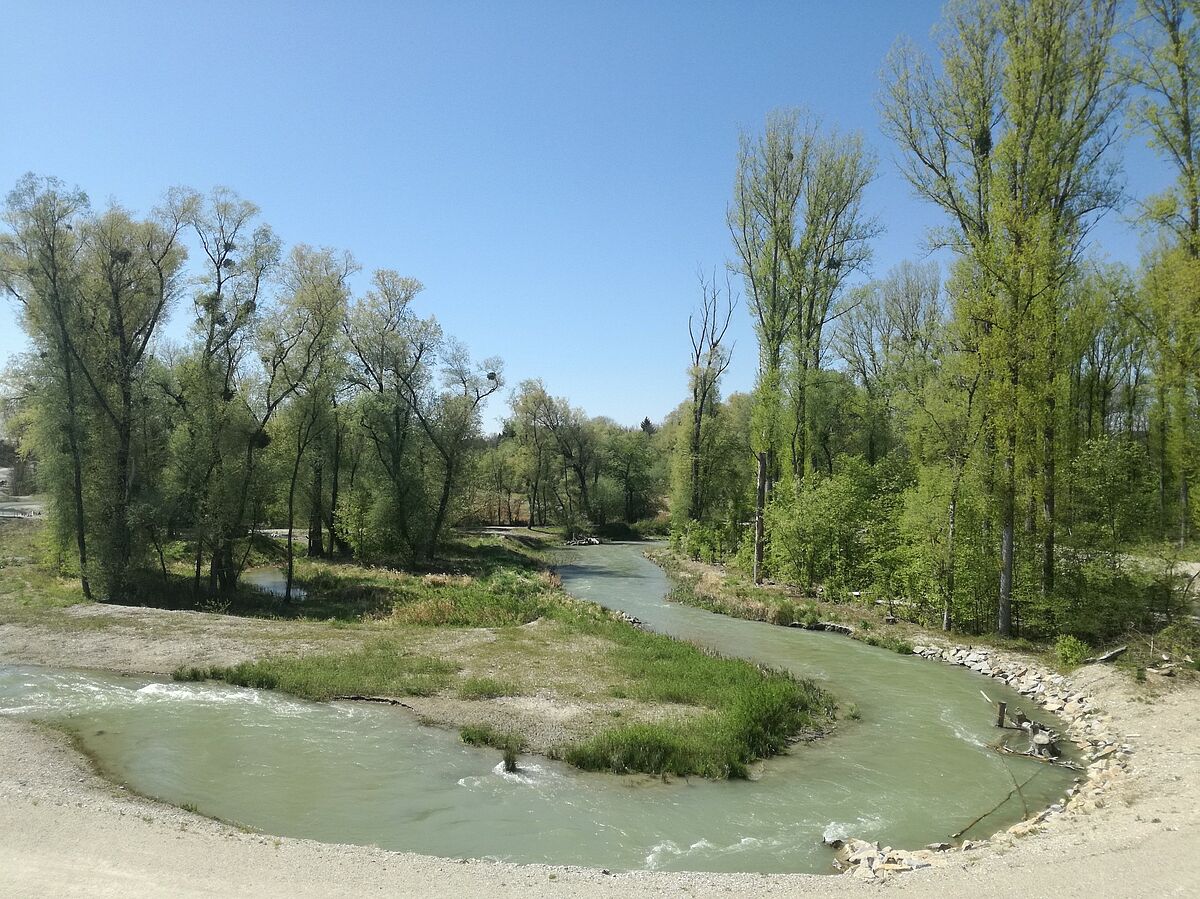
x: 1180, y: 639
x: 841, y: 528
x: 1071, y: 651
x: 1098, y: 601
x: 1112, y: 492
x: 502, y: 599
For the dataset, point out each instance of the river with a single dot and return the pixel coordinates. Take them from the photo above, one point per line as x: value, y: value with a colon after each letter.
x: 915, y: 769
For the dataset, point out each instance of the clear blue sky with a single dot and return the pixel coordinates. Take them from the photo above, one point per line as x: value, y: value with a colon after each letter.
x: 553, y: 172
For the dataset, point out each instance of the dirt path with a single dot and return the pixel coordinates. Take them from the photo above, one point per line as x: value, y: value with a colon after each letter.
x: 66, y: 832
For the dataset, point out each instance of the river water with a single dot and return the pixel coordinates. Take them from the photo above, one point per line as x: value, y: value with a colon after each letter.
x: 915, y: 769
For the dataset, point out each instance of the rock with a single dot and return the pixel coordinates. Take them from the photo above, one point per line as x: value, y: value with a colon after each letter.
x: 939, y: 847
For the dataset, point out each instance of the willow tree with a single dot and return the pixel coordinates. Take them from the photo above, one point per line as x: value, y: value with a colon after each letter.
x: 213, y: 446
x: 40, y: 269
x: 314, y: 311
x: 392, y: 354
x: 449, y: 414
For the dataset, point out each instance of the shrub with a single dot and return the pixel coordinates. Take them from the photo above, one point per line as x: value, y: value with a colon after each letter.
x: 382, y: 668
x: 1070, y: 650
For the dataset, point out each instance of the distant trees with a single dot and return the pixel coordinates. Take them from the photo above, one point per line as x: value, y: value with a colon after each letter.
x: 573, y: 470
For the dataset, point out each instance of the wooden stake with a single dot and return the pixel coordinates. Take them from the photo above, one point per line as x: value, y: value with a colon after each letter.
x: 1000, y: 714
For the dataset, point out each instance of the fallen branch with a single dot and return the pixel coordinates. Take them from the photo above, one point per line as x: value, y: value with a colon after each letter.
x: 1016, y: 789
x: 386, y: 700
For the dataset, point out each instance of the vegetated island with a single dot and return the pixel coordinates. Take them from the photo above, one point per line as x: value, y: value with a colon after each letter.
x: 485, y: 641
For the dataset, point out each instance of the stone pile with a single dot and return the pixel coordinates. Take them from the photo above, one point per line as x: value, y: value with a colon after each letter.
x: 628, y: 619
x: 1090, y: 729
x: 870, y: 861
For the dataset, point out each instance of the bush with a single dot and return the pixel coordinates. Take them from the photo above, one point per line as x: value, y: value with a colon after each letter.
x: 784, y: 613
x: 1097, y: 601
x: 1071, y: 651
x: 659, y: 526
x: 1180, y: 639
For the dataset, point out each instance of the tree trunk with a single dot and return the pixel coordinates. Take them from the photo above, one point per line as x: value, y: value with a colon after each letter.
x: 695, y: 509
x: 316, y: 519
x: 76, y: 459
x: 759, y: 508
x: 1008, y: 510
x: 291, y: 508
x: 1048, y: 488
x: 439, y: 520
x: 952, y: 526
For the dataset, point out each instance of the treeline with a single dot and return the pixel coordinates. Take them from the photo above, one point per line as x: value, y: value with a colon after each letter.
x: 980, y: 446
x: 553, y: 465
x: 292, y: 402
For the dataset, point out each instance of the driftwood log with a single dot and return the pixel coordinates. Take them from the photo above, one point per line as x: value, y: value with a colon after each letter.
x: 1109, y: 656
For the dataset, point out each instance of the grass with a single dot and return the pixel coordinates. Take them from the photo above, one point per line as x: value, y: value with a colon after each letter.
x: 754, y: 719
x: 32, y: 580
x: 382, y: 668
x: 747, y: 712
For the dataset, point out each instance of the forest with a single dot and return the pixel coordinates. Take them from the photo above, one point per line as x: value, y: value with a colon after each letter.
x: 997, y: 437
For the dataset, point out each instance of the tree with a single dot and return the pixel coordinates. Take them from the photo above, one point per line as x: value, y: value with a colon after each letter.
x: 311, y: 317
x: 39, y: 267
x: 1041, y: 74
x: 450, y: 419
x: 213, y: 446
x: 798, y: 232
x: 709, y: 359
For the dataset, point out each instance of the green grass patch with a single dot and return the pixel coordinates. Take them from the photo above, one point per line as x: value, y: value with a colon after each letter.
x: 382, y: 668
x: 754, y: 712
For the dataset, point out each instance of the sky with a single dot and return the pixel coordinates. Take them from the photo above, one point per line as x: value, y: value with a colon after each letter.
x: 555, y: 173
